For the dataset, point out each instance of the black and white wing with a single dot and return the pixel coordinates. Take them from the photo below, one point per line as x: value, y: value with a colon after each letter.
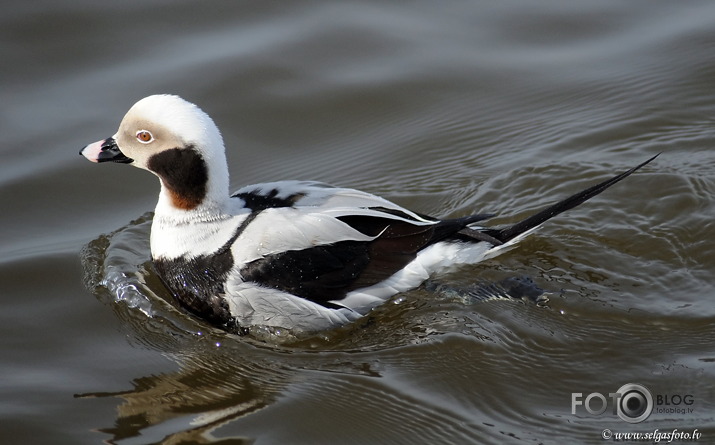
x: 320, y: 243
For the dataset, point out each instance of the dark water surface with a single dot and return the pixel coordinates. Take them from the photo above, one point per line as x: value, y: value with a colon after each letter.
x: 446, y: 107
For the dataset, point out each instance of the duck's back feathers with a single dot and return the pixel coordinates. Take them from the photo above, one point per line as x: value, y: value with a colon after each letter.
x: 325, y: 273
x: 319, y: 242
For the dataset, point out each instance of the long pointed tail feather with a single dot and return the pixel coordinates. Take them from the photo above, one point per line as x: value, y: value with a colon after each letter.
x: 508, y: 233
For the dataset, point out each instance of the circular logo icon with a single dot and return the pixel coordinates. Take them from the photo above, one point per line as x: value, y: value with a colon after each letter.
x: 635, y: 404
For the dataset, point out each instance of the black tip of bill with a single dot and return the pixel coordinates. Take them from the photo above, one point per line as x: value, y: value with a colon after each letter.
x: 105, y: 151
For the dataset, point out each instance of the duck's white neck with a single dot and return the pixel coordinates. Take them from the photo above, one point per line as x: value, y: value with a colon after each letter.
x: 208, y: 210
x: 201, y: 229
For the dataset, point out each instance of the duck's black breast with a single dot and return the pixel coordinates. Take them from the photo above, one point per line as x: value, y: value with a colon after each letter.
x: 198, y: 284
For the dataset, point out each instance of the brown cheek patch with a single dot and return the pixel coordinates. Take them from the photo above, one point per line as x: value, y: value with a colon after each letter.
x: 184, y: 173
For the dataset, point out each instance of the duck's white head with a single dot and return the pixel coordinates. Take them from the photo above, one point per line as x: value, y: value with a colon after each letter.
x: 178, y: 142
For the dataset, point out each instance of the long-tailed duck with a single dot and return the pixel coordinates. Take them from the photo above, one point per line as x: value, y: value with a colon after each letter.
x: 298, y: 255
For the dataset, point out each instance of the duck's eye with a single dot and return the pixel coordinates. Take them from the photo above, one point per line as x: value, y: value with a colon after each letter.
x: 144, y: 136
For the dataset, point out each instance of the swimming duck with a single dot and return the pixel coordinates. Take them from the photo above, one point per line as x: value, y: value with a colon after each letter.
x: 298, y: 255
